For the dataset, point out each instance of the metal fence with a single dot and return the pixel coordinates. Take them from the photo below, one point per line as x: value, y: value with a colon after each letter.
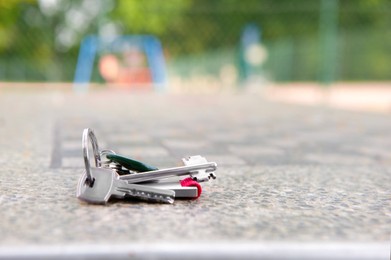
x: 303, y: 40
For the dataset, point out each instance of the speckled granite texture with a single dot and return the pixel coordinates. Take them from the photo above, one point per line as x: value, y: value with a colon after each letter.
x: 286, y: 173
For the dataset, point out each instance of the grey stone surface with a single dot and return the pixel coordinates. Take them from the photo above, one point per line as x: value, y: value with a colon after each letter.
x: 287, y: 173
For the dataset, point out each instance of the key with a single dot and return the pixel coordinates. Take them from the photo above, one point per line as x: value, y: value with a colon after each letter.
x: 191, y: 170
x: 173, y: 184
x: 130, y: 164
x: 201, y: 175
x: 105, y: 184
x: 108, y: 163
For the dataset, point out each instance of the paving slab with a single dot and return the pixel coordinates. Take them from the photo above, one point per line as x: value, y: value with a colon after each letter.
x: 294, y: 182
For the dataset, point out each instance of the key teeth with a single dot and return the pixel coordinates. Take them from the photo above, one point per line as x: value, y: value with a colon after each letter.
x: 211, y: 175
x: 148, y: 196
x: 170, y: 200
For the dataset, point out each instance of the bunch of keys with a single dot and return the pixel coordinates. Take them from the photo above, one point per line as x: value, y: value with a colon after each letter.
x: 120, y: 177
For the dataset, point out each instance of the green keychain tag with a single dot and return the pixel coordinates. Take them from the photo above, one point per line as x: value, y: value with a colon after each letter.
x: 131, y: 164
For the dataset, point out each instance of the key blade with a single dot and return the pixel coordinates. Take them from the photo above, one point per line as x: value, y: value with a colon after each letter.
x: 146, y: 193
x: 180, y: 191
x: 157, y: 198
x: 200, y: 175
x: 164, y: 173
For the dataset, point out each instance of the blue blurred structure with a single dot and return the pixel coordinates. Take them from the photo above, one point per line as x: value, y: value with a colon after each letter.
x: 251, y: 36
x: 93, y: 45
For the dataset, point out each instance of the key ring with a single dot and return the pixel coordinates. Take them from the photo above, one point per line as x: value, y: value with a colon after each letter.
x: 106, y: 152
x: 88, y: 134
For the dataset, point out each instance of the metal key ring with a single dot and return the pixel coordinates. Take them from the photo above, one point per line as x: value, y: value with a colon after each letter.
x: 105, y: 152
x: 88, y: 134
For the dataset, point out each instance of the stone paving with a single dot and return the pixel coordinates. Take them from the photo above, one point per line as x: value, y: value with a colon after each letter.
x: 286, y: 173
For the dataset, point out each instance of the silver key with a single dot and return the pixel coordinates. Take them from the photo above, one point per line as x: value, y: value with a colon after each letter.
x: 192, y: 170
x: 202, y: 174
x: 174, y: 184
x: 105, y: 184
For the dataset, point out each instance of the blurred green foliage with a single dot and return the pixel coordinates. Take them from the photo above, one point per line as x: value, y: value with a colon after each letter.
x: 39, y: 41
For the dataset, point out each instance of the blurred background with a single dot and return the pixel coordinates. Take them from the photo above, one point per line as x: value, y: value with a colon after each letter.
x: 214, y: 44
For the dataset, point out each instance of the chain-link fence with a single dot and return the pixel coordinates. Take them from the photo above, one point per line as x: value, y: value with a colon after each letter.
x: 222, y: 41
